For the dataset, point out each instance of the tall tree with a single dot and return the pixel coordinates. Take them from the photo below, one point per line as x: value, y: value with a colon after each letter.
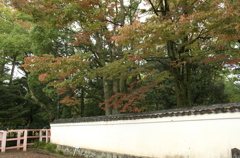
x: 187, y: 39
x: 93, y: 39
x: 16, y: 106
x: 15, y: 41
x: 184, y: 36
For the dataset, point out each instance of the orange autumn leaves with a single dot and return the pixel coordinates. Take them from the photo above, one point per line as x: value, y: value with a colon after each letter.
x: 57, y: 72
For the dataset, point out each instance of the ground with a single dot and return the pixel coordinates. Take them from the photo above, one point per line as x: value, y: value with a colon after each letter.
x: 32, y: 153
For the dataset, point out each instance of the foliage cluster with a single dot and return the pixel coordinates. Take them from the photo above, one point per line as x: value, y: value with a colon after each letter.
x: 91, y: 53
x: 45, y: 146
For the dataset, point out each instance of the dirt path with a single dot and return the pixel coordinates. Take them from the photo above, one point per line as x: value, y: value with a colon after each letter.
x: 31, y: 153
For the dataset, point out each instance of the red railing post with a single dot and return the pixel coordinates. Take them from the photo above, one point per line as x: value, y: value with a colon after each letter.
x: 18, y: 139
x: 40, y: 135
x: 3, y: 141
x: 25, y: 140
x: 47, y: 135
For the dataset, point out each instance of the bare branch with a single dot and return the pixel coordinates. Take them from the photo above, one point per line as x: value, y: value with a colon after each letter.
x: 154, y: 9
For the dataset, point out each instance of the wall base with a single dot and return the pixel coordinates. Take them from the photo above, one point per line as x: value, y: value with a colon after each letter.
x: 87, y: 153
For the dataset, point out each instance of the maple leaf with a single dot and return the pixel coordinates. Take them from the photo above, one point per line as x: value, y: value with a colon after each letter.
x: 70, y: 101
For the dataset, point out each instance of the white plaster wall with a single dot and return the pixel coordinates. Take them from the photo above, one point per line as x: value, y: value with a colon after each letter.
x: 194, y: 136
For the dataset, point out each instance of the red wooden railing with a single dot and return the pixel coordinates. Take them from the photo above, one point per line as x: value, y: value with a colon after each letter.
x: 22, y: 134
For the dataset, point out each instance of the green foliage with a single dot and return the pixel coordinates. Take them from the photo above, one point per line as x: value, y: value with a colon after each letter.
x: 53, y: 41
x: 189, y: 40
x: 91, y: 36
x: 233, y: 91
x: 46, y: 146
x: 59, y: 152
x: 14, y: 41
x: 233, y: 84
x: 92, y: 108
x: 45, y: 97
x: 90, y: 52
x: 50, y: 147
x: 17, y: 109
x: 161, y: 96
x: 13, y: 107
x: 39, y: 145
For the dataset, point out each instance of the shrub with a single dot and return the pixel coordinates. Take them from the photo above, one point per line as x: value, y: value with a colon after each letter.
x: 39, y: 145
x: 50, y: 147
x: 46, y: 146
x: 59, y: 152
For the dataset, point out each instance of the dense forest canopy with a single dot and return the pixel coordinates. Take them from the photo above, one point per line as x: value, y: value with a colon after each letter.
x: 93, y: 57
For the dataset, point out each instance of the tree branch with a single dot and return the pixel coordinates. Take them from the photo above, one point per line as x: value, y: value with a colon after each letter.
x: 154, y: 9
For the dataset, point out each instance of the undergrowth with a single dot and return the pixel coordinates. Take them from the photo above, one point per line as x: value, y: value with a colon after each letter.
x: 49, y: 147
x: 45, y: 146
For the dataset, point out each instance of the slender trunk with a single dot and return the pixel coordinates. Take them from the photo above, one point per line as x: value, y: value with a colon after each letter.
x: 122, y: 12
x: 43, y: 106
x: 115, y: 91
x: 189, y: 84
x: 122, y: 84
x: 181, y: 72
x: 2, y: 71
x: 178, y: 71
x: 107, y: 95
x: 13, y: 69
x: 115, y: 81
x: 82, y: 102
x: 106, y: 83
x: 48, y: 111
x: 116, y: 54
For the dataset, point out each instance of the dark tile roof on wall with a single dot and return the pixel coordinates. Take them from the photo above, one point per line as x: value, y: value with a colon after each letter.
x: 196, y: 110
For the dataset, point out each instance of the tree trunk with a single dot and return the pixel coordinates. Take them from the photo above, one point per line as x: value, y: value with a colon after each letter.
x: 115, y: 110
x: 180, y: 76
x: 43, y: 106
x: 2, y: 70
x: 107, y: 95
x: 180, y: 71
x: 82, y: 103
x: 13, y: 69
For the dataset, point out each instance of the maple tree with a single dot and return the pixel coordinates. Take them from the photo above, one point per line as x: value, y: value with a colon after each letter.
x: 183, y: 34
x: 116, y: 49
x: 94, y: 41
